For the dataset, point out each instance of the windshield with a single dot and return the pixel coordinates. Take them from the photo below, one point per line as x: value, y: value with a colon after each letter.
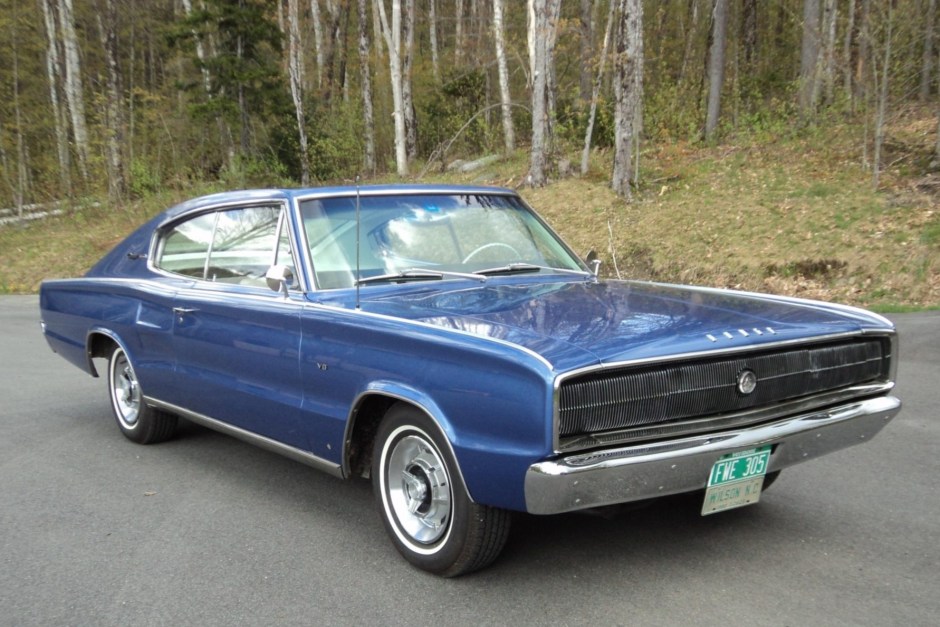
x: 456, y: 233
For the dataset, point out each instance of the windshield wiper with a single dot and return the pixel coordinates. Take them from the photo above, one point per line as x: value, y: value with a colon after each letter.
x: 521, y: 268
x: 418, y: 274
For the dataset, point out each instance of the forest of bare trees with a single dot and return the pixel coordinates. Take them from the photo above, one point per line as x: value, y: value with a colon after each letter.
x: 124, y: 97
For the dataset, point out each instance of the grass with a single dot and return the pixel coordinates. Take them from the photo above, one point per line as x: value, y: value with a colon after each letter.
x: 795, y: 216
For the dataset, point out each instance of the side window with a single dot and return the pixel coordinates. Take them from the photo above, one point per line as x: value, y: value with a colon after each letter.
x: 234, y: 246
x: 185, y: 249
x: 243, y: 246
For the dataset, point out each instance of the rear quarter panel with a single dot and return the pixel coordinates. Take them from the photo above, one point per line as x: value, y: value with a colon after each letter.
x: 136, y: 314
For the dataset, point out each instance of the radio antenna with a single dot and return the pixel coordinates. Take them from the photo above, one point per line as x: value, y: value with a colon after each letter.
x: 358, y: 271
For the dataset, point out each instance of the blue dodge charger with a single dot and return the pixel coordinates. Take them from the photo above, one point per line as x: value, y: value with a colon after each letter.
x: 446, y: 343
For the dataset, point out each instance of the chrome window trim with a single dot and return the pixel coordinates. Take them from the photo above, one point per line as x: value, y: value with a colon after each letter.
x: 208, y: 262
x: 278, y: 232
x: 890, y: 335
x: 303, y: 265
x: 243, y: 292
x: 302, y: 261
x: 222, y: 206
x: 398, y: 191
x: 192, y: 287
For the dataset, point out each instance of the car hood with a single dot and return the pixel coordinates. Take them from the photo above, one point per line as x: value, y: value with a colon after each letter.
x: 576, y: 324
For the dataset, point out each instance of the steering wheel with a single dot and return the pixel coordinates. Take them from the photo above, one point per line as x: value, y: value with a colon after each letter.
x: 480, y: 249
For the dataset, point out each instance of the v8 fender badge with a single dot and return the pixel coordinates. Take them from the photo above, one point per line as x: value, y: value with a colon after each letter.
x: 747, y: 382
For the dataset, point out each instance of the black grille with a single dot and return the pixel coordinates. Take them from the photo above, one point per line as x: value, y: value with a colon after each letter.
x: 640, y: 397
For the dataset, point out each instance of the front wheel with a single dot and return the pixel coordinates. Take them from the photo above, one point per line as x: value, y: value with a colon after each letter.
x: 424, y: 503
x: 138, y: 421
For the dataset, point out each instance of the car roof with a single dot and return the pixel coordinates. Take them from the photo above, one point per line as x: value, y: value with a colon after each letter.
x: 276, y: 194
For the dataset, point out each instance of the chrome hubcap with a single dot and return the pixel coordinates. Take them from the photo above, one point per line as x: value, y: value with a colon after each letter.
x: 419, y: 489
x: 125, y: 391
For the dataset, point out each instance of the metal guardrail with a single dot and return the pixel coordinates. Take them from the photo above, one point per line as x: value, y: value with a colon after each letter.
x: 36, y: 211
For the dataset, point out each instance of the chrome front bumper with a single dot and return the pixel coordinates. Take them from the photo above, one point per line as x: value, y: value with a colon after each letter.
x: 649, y: 470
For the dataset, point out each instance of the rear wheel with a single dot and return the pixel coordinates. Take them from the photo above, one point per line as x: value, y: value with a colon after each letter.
x: 424, y: 503
x: 137, y: 420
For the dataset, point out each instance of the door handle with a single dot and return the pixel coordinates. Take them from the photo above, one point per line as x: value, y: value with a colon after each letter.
x: 180, y: 313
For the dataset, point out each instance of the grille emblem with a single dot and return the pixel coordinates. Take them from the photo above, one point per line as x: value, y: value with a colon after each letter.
x: 747, y: 382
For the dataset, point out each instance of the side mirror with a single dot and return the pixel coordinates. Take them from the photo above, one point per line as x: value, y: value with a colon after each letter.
x: 279, y: 278
x: 593, y: 261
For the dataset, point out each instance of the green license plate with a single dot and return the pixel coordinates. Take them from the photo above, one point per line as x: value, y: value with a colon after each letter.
x: 736, y: 480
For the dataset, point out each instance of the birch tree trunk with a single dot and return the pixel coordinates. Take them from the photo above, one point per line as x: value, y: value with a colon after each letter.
x: 689, y: 38
x: 5, y: 172
x: 335, y: 51
x: 809, y: 59
x: 317, y: 39
x: 847, y: 51
x: 54, y: 77
x: 530, y: 40
x: 509, y: 136
x: 830, y: 16
x: 365, y: 71
x: 926, y: 71
x: 474, y: 25
x: 936, y: 151
x: 864, y: 47
x: 543, y: 16
x: 407, y: 97
x: 344, y: 54
x: 552, y: 85
x: 432, y: 32
x: 377, y: 35
x: 458, y: 32
x: 114, y: 118
x: 595, y: 94
x: 587, y: 49
x: 882, y: 101
x: 628, y: 88
x: 74, y: 90
x: 937, y: 147
x: 749, y: 33
x: 18, y: 189
x: 200, y: 51
x: 716, y: 67
x: 225, y: 133
x: 392, y: 34
x: 296, y: 73
x: 244, y: 135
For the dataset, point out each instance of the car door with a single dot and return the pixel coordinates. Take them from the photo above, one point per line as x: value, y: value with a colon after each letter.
x: 236, y: 341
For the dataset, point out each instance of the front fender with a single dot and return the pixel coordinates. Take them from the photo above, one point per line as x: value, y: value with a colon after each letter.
x: 491, y: 465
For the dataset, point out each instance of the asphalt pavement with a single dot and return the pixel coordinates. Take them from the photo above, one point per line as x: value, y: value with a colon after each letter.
x: 207, y: 530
